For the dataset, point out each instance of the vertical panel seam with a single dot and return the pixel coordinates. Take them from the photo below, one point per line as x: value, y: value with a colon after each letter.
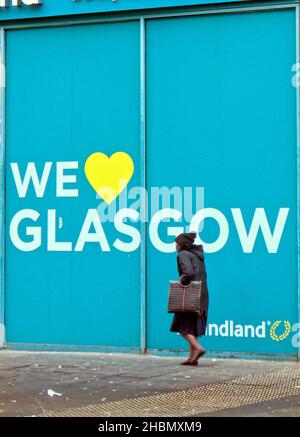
x: 298, y: 161
x: 2, y: 187
x: 143, y: 282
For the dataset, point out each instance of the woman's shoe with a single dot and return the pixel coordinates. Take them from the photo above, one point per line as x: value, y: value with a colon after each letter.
x: 186, y: 363
x: 199, y: 355
x: 190, y: 363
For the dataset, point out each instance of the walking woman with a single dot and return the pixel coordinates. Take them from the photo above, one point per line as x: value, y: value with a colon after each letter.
x: 191, y: 267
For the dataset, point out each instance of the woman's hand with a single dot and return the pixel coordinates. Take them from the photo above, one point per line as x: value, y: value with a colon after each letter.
x: 183, y: 281
x: 180, y: 281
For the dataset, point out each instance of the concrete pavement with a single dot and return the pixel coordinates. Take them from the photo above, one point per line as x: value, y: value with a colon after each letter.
x: 83, y: 379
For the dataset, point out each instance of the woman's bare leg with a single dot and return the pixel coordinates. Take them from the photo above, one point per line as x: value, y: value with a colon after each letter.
x: 195, y: 346
x: 192, y: 350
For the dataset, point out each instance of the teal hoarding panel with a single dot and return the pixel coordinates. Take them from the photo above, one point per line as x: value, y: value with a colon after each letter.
x: 221, y: 116
x: 221, y: 126
x: 71, y: 92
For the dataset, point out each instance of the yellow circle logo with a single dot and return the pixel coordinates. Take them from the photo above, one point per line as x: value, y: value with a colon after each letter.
x: 287, y: 330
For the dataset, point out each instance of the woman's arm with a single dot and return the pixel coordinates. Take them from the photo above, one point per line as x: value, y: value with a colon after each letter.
x: 186, y: 268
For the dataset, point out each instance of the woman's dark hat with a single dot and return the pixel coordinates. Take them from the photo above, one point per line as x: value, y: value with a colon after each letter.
x: 186, y: 240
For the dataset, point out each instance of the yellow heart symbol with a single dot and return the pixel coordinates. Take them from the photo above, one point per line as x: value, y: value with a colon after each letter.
x: 109, y: 175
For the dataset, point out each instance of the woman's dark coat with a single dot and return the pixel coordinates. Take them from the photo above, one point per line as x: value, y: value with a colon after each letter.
x: 191, y: 267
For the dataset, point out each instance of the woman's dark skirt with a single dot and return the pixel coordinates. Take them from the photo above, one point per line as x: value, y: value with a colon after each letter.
x: 189, y: 323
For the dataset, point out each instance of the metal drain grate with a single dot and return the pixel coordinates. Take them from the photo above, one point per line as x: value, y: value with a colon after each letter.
x: 222, y: 395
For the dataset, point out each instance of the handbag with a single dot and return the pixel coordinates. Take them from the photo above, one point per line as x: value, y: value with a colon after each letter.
x: 184, y: 298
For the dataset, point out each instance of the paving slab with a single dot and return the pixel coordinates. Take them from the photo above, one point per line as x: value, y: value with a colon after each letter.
x: 83, y: 379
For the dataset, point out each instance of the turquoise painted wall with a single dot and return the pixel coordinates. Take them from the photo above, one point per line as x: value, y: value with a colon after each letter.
x: 66, y: 99
x: 221, y: 116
